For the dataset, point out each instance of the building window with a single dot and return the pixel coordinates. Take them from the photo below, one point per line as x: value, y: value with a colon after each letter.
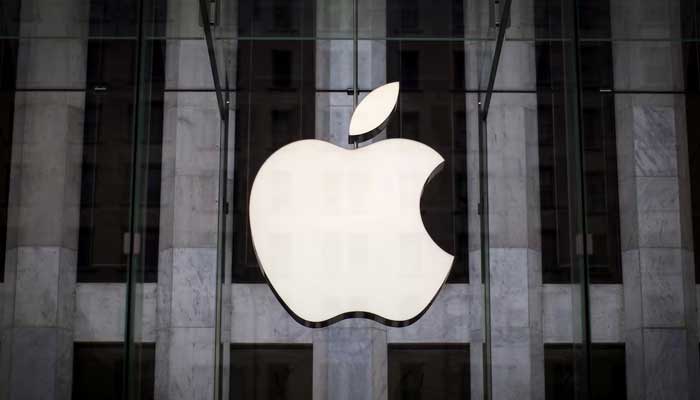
x: 277, y: 18
x: 601, y: 186
x: 599, y: 153
x: 9, y: 15
x: 113, y: 18
x: 422, y: 371
x: 691, y: 59
x: 281, y: 372
x: 409, y: 69
x: 594, y: 19
x: 562, y: 363
x: 554, y: 186
x: 98, y: 371
x: 105, y: 199
x: 432, y: 110
x: 107, y: 156
x: 414, y: 18
x: 275, y: 101
x: 692, y: 104
x: 281, y: 68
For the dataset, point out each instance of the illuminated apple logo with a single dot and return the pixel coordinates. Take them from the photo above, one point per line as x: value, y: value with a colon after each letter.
x: 338, y: 232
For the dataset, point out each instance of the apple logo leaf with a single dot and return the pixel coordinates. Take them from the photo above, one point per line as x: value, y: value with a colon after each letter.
x: 373, y: 112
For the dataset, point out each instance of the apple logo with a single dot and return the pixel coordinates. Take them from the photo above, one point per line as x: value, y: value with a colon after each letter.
x: 338, y: 232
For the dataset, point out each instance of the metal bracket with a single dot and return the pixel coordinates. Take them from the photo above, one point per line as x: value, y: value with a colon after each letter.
x: 214, y: 8
x: 505, y: 19
x: 496, y: 15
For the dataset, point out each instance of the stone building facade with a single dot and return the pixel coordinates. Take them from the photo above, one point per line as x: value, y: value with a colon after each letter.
x: 197, y: 311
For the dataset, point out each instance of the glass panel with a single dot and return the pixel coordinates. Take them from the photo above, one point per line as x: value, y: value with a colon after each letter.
x: 534, y: 276
x: 298, y: 83
x: 175, y: 205
x: 131, y: 132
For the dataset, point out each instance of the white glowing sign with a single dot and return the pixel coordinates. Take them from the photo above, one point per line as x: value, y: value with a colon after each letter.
x: 338, y: 232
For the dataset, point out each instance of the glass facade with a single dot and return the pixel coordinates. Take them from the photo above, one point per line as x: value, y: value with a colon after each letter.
x: 131, y: 132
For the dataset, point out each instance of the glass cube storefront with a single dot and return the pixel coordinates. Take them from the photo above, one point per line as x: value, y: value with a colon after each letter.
x: 131, y: 132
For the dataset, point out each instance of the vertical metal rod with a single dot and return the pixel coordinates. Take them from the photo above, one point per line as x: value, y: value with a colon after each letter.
x: 584, y: 274
x: 485, y: 255
x: 223, y: 143
x: 354, y: 52
x: 133, y: 260
x: 484, y: 198
x: 220, y: 247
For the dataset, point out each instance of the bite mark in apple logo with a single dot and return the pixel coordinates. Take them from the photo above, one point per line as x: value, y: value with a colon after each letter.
x: 338, y: 232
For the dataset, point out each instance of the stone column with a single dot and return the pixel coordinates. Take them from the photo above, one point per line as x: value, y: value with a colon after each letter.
x: 350, y: 357
x: 515, y: 257
x: 39, y: 290
x: 658, y: 273
x: 188, y: 233
x: 350, y: 361
x: 517, y: 358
